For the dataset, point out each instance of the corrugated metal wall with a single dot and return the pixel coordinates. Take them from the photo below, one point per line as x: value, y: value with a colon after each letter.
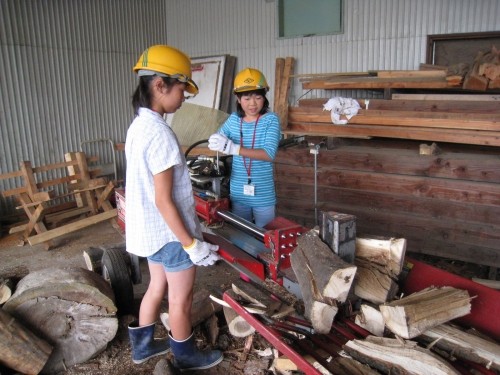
x: 66, y: 64
x: 378, y: 34
x: 66, y: 75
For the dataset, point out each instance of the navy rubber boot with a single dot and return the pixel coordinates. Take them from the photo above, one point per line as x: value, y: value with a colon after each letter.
x: 144, y: 346
x: 188, y: 357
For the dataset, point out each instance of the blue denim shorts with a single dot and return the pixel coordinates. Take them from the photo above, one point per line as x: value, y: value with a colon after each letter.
x: 173, y: 257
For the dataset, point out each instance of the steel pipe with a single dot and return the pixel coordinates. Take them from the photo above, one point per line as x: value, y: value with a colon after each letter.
x: 242, y: 223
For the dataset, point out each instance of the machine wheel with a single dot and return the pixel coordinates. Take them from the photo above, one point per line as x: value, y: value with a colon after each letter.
x: 116, y: 272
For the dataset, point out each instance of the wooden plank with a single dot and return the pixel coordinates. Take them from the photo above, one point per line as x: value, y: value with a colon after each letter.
x: 450, y: 106
x: 14, y: 174
x: 445, y: 120
x: 278, y: 78
x: 472, y: 137
x: 49, y: 167
x: 373, y: 156
x: 14, y: 192
x: 284, y: 88
x: 290, y: 194
x: 375, y: 83
x: 461, y: 97
x: 457, y: 190
x: 446, y: 240
x: 28, y: 177
x: 411, y: 73
x: 68, y: 228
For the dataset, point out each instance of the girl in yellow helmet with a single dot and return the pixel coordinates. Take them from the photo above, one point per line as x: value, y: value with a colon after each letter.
x: 161, y: 222
x: 252, y: 135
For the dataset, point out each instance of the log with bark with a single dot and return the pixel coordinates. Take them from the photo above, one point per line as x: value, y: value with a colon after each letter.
x: 72, y: 308
x: 349, y: 366
x: 324, y: 279
x: 460, y: 344
x: 237, y: 325
x: 393, y: 356
x: 412, y: 315
x: 380, y: 261
x: 20, y: 349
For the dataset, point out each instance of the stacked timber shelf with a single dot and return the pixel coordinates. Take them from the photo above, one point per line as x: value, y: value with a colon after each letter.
x: 423, y: 165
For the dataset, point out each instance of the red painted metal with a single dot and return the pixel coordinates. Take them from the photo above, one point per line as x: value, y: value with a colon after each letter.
x: 273, y: 337
x: 485, y: 310
x: 207, y: 208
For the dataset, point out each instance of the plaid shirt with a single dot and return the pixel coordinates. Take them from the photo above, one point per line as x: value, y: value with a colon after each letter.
x: 152, y: 147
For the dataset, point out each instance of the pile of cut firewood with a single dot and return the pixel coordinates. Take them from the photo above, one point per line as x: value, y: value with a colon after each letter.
x: 410, y: 334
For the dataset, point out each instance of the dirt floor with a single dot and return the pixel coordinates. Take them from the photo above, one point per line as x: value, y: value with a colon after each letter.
x: 116, y: 359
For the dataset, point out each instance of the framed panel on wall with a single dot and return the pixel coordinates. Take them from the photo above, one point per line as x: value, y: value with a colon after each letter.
x: 451, y: 49
x: 298, y: 18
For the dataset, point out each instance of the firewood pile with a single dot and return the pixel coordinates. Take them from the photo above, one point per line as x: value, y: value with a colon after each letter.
x: 352, y: 317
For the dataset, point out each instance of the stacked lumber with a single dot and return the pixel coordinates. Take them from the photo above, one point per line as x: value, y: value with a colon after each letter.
x: 474, y: 123
x: 393, y: 79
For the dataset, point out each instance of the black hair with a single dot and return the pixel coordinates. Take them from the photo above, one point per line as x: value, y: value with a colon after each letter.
x: 142, y: 94
x: 262, y: 92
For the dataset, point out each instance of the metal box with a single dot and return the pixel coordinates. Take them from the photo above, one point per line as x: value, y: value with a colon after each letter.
x: 338, y: 231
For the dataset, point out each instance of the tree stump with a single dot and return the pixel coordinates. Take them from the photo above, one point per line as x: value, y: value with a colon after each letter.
x: 72, y: 308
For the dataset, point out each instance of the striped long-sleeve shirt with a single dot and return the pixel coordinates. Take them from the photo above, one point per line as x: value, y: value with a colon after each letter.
x: 267, y: 137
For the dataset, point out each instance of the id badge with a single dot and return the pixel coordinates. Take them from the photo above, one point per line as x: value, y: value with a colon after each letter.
x: 249, y: 189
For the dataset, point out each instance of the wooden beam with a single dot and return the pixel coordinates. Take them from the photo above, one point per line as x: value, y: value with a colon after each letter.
x: 375, y: 83
x: 402, y: 132
x: 68, y: 228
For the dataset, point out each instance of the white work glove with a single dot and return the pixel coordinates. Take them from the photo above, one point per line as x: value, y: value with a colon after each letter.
x: 202, y: 253
x: 221, y: 143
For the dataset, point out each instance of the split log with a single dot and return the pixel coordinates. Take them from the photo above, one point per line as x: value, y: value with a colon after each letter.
x: 393, y: 356
x: 72, y: 308
x: 202, y: 308
x: 349, y: 366
x: 412, y: 315
x: 379, y: 261
x: 237, y: 325
x: 370, y: 319
x: 256, y: 296
x: 20, y: 348
x: 333, y: 277
x: 93, y: 259
x: 324, y: 279
x: 6, y: 290
x: 284, y: 365
x: 463, y: 345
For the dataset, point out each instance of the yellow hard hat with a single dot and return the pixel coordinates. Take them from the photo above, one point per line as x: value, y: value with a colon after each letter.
x: 167, y: 61
x: 250, y: 79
